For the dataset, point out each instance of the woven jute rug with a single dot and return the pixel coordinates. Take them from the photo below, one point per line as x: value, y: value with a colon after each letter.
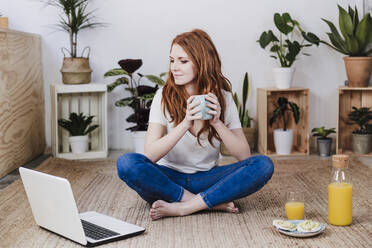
x: 96, y: 187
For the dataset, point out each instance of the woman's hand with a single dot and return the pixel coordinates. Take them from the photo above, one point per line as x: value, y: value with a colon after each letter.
x: 215, y: 107
x: 191, y: 110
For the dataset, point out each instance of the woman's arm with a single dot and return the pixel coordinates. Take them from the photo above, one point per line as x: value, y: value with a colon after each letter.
x: 157, y: 144
x: 234, y: 139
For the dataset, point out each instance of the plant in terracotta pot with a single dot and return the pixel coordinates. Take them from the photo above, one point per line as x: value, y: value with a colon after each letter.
x: 362, y: 137
x: 283, y: 137
x: 74, y: 18
x: 79, y: 126
x: 324, y: 143
x: 354, y: 42
x: 292, y: 39
x: 3, y: 21
x: 140, y: 99
x: 245, y: 120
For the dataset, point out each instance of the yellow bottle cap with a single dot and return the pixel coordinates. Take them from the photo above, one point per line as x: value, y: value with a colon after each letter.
x: 340, y: 161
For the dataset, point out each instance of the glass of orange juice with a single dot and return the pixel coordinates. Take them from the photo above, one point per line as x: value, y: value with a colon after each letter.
x: 295, y: 205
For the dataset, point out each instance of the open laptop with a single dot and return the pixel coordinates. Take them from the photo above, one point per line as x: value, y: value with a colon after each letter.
x: 54, y: 208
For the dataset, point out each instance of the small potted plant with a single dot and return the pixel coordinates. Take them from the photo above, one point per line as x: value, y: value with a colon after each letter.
x: 354, y: 43
x: 361, y: 138
x: 283, y: 137
x: 3, y: 21
x: 140, y: 99
x: 245, y: 119
x: 79, y: 126
x: 323, y: 142
x: 74, y: 18
x: 286, y: 47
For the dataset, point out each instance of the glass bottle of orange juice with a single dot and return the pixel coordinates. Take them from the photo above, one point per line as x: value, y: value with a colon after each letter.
x: 340, y: 192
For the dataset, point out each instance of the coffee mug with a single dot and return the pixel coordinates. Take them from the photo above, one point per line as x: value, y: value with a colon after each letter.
x: 204, y: 108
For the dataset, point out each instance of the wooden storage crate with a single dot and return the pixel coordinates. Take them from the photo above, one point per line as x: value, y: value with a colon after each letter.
x: 266, y: 102
x: 87, y: 98
x: 347, y: 98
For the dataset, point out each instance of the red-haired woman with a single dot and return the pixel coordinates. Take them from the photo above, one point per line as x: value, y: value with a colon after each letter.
x: 178, y: 174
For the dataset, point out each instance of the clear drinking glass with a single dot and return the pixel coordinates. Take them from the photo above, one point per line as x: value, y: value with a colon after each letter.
x: 295, y: 205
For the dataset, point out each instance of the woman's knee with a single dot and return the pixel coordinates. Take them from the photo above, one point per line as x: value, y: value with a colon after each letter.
x: 266, y: 166
x: 128, y: 164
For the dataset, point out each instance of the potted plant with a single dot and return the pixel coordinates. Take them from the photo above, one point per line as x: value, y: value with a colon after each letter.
x: 74, y: 18
x: 283, y: 137
x: 286, y: 47
x: 245, y: 119
x: 3, y: 21
x: 361, y: 138
x: 323, y: 142
x: 354, y: 42
x: 140, y: 99
x: 79, y: 126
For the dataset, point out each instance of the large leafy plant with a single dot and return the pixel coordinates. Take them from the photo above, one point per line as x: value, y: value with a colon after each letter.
x: 141, y: 95
x: 322, y: 132
x: 356, y: 34
x: 361, y: 117
x: 74, y: 17
x: 286, y: 47
x: 78, y: 124
x: 281, y: 111
x: 244, y: 117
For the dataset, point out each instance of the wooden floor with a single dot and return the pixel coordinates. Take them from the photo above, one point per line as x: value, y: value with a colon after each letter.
x: 97, y: 187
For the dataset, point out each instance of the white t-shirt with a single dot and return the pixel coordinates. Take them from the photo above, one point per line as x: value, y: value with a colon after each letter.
x: 187, y: 156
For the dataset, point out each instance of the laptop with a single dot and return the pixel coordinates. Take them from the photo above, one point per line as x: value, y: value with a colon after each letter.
x: 54, y: 208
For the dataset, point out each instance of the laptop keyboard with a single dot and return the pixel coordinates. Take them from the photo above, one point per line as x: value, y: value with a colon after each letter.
x: 97, y: 232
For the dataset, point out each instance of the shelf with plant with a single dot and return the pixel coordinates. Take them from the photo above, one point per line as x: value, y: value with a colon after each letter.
x: 324, y: 143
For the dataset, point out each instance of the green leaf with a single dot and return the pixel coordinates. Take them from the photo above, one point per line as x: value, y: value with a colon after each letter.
x: 310, y: 37
x: 295, y: 111
x: 155, y: 79
x: 117, y: 82
x: 124, y: 102
x: 115, y: 72
x: 362, y: 31
x: 246, y: 120
x: 336, y: 36
x: 345, y: 22
x: 275, y: 48
x: 245, y: 91
x: 281, y: 24
x: 353, y: 46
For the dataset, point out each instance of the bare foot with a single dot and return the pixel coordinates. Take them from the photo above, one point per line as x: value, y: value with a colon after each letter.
x: 227, y: 207
x: 161, y: 209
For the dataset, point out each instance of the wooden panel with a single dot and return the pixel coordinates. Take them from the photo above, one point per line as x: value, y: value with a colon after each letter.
x: 266, y: 103
x: 22, y: 132
x: 347, y: 98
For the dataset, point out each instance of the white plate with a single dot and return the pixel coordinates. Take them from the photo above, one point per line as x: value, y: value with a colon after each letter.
x: 301, y: 234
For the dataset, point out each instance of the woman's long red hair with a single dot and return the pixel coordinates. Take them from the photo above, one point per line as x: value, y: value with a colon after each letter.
x: 200, y: 49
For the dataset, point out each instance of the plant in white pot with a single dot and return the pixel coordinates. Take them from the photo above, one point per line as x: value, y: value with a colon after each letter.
x: 75, y: 17
x: 354, y: 42
x: 79, y: 126
x: 324, y: 143
x: 140, y: 98
x: 362, y: 137
x: 286, y: 47
x: 283, y: 137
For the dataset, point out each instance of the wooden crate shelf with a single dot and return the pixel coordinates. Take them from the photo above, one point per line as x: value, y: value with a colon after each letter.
x: 266, y: 100
x: 347, y: 98
x: 87, y: 98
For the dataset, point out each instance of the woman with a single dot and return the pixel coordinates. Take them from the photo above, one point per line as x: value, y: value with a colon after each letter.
x: 178, y: 174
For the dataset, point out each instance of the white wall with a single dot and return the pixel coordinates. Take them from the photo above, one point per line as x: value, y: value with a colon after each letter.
x: 145, y: 28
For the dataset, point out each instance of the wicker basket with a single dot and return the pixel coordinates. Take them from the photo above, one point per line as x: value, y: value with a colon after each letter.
x: 76, y: 71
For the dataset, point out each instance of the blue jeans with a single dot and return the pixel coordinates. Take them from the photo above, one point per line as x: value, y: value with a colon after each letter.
x: 218, y: 185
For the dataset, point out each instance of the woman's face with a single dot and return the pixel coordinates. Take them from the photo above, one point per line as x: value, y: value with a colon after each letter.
x: 181, y: 66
